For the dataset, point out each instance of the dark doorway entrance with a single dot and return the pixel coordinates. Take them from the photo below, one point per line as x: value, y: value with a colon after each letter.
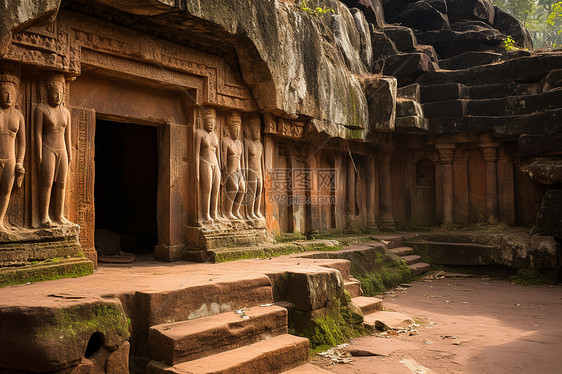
x: 126, y: 183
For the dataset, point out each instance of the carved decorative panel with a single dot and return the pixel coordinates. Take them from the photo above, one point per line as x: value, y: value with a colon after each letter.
x: 82, y: 177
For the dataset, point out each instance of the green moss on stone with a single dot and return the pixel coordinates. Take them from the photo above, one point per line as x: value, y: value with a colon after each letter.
x: 332, y: 329
x: 530, y: 277
x: 55, y: 268
x: 387, y: 277
x: 76, y: 323
x: 273, y: 251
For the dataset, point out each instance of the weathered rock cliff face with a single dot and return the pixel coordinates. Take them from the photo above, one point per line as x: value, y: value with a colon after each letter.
x: 17, y: 15
x: 296, y: 64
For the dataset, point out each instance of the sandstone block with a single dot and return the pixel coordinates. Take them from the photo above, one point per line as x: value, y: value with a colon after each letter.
x: 381, y: 98
x: 313, y: 290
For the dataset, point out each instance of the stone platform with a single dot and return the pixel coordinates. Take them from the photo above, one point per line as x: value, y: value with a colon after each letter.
x: 205, y: 240
x: 238, y: 311
x: 491, y: 245
x: 30, y: 255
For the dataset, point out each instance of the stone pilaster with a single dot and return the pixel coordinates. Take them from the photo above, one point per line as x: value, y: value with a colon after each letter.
x: 447, y: 157
x: 386, y: 217
x: 350, y: 189
x: 490, y: 156
x: 371, y: 192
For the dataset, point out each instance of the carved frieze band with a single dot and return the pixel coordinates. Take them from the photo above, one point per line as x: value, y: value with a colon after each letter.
x: 74, y: 39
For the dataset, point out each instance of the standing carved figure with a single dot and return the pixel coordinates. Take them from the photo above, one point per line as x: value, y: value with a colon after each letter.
x: 233, y: 162
x: 52, y: 134
x: 255, y: 166
x: 12, y: 141
x: 208, y: 177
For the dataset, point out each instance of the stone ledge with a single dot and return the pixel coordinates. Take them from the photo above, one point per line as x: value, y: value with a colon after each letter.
x: 46, y: 270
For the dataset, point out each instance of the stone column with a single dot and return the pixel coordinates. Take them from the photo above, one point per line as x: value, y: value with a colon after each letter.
x: 350, y: 190
x: 340, y: 191
x: 371, y: 192
x: 460, y: 187
x: 173, y: 187
x: 490, y: 155
x: 386, y: 218
x: 270, y: 207
x: 313, y: 208
x: 447, y: 156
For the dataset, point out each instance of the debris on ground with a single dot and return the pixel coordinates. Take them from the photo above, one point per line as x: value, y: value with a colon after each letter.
x: 337, y: 354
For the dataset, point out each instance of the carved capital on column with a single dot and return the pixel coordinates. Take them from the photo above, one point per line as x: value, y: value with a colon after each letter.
x: 489, y: 151
x: 446, y: 153
x: 462, y: 156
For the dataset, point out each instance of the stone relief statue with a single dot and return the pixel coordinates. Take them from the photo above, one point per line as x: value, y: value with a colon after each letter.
x: 233, y: 164
x: 255, y: 166
x: 208, y: 176
x: 52, y: 134
x: 12, y: 142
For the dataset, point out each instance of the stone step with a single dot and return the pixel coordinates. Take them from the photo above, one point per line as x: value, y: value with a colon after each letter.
x: 443, y: 92
x: 407, y: 108
x: 410, y: 92
x: 515, y: 105
x: 411, y: 259
x: 189, y: 340
x: 469, y: 59
x: 407, y: 67
x: 307, y: 369
x: 342, y: 266
x: 274, y: 355
x: 353, y: 287
x: 502, y: 126
x: 402, y: 251
x: 368, y: 305
x: 391, y: 241
x: 445, y: 109
x: 411, y: 124
x: 200, y: 300
x: 386, y: 320
x: 403, y: 37
x: 419, y: 268
x: 428, y: 50
x: 524, y: 69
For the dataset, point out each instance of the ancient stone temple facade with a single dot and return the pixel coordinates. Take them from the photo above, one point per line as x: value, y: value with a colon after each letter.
x: 189, y: 127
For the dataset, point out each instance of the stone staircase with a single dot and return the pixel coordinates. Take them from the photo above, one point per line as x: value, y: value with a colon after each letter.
x: 247, y: 340
x: 394, y: 244
x: 377, y: 318
x: 251, y: 335
x: 409, y: 112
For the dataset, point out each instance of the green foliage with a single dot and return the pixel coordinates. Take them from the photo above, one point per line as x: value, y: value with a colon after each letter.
x: 543, y: 19
x: 314, y: 10
x: 388, y: 277
x: 529, y: 277
x: 509, y: 44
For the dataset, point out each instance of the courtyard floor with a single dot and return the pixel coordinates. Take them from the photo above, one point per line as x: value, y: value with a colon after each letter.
x: 466, y: 326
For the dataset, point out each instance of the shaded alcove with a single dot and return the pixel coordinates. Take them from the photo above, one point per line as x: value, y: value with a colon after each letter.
x: 125, y: 191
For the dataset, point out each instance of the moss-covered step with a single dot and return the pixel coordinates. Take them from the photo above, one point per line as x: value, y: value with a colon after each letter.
x: 50, y: 269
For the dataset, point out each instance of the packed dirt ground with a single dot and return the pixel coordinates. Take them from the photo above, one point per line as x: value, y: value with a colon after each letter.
x: 469, y: 325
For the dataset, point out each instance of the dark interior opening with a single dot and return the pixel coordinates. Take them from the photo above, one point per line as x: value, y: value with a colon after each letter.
x: 126, y: 183
x: 94, y: 344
